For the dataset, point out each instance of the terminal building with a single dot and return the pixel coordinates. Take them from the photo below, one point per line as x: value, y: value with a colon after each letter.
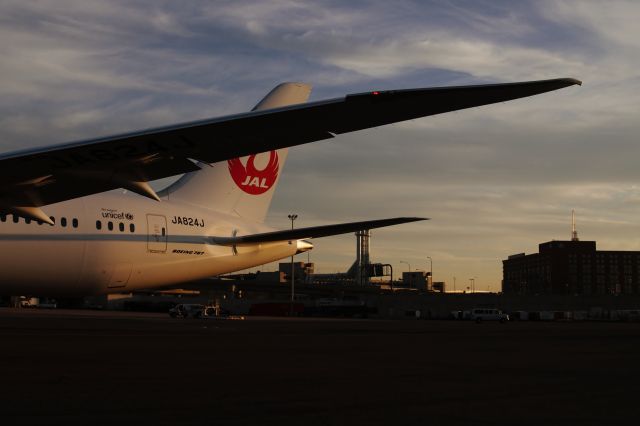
x: 572, y: 268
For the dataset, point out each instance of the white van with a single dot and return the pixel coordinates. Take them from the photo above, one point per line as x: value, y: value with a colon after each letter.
x: 488, y: 314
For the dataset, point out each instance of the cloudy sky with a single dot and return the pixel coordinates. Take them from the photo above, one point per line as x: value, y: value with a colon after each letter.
x: 495, y: 180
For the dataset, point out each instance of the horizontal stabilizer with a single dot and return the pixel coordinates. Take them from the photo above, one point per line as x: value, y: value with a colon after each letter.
x: 312, y: 232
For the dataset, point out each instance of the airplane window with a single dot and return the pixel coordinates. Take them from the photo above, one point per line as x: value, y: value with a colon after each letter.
x: 53, y: 219
x: 27, y: 221
x: 132, y: 227
x: 75, y: 222
x: 16, y: 219
x: 163, y: 232
x: 98, y: 224
x: 63, y: 221
x: 121, y: 226
x: 110, y: 226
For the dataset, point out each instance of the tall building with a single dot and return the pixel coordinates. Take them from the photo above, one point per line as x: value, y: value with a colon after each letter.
x: 572, y: 267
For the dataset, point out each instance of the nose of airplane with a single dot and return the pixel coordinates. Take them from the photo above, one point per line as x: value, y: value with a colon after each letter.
x: 303, y: 245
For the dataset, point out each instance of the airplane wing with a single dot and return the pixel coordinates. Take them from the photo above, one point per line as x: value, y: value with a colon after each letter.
x: 33, y: 178
x: 311, y: 232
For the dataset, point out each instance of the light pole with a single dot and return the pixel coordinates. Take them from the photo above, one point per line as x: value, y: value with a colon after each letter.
x: 292, y: 217
x: 407, y: 263
x: 454, y: 284
x: 431, y: 270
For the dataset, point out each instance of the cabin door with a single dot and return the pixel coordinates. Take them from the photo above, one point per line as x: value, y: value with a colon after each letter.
x: 156, y: 233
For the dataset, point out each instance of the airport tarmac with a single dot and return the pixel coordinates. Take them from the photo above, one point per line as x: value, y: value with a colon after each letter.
x: 108, y: 368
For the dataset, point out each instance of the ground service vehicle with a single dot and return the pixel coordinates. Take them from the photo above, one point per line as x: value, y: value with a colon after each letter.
x: 191, y: 310
x: 487, y: 314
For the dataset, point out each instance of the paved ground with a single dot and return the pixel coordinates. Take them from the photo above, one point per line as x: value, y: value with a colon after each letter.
x: 82, y: 367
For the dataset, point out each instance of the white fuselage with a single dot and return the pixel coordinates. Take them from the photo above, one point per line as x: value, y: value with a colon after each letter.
x: 116, y: 242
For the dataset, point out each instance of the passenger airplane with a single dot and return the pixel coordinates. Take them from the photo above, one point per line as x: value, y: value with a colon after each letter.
x: 62, y: 233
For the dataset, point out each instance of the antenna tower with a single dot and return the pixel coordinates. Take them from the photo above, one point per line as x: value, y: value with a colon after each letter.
x: 362, y: 259
x: 574, y: 233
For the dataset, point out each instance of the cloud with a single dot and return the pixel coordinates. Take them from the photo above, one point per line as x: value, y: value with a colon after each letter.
x: 496, y: 180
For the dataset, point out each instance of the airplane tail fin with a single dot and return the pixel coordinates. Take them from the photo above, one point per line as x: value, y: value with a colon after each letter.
x: 242, y: 186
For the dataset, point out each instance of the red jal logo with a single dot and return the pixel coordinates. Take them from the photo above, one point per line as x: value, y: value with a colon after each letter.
x: 252, y: 180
